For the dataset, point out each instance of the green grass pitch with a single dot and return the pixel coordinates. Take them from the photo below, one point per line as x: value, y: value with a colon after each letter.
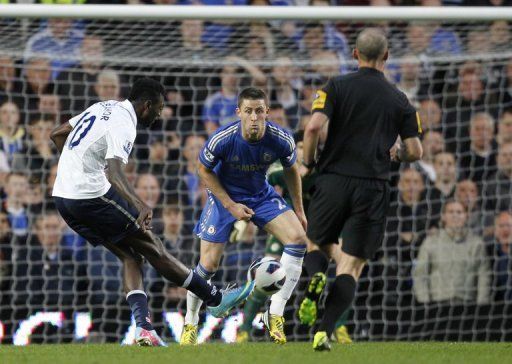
x: 266, y: 353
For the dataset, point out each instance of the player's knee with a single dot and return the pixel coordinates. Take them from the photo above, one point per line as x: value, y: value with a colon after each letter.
x: 298, y: 238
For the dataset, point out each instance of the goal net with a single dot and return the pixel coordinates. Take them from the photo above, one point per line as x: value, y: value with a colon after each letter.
x: 430, y: 280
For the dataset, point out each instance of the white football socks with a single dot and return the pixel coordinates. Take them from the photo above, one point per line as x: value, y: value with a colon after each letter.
x: 292, y: 258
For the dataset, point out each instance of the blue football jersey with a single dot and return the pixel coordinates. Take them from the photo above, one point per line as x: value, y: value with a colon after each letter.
x: 241, y: 166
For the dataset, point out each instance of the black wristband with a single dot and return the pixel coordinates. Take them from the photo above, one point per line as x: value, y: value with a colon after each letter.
x: 308, y: 165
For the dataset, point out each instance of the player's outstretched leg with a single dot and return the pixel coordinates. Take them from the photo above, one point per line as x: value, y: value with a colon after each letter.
x: 145, y: 335
x: 218, y: 302
x: 286, y: 228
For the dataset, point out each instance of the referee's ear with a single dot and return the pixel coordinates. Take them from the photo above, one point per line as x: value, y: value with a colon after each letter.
x: 386, y: 55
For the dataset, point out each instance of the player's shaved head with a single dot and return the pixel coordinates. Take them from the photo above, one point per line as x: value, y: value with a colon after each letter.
x: 372, y: 44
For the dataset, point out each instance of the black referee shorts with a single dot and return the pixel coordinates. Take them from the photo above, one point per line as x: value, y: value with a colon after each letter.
x: 354, y: 207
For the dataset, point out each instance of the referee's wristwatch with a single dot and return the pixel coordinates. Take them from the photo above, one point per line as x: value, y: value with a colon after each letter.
x: 308, y: 165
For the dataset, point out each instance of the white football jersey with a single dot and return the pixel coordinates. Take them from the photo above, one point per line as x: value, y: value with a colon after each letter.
x: 103, y: 131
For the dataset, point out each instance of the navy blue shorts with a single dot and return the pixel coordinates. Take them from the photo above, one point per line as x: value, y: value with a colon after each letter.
x: 108, y: 218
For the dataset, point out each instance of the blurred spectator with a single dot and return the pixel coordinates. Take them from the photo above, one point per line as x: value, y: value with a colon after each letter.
x: 430, y: 115
x: 9, y: 84
x: 107, y: 86
x: 50, y: 180
x: 192, y: 46
x: 75, y: 86
x: 48, y: 276
x: 16, y: 189
x: 190, y: 184
x: 466, y: 192
x: 418, y: 37
x: 504, y: 84
x: 35, y: 198
x: 497, y: 192
x: 55, y: 276
x: 504, y: 135
x: 59, y: 41
x: 326, y: 64
x: 148, y: 189
x: 277, y: 114
x: 38, y: 154
x: 37, y: 81
x: 6, y: 263
x: 282, y: 88
x: 318, y: 36
x: 444, y: 41
x: 444, y: 186
x: 433, y: 143
x: 500, y: 254
x: 49, y: 107
x: 478, y: 41
x: 177, y: 239
x: 479, y: 162
x: 499, y: 36
x: 406, y: 228
x: 451, y: 264
x: 461, y: 104
x: 11, y: 133
x: 410, y: 78
x: 253, y: 41
x: 220, y: 108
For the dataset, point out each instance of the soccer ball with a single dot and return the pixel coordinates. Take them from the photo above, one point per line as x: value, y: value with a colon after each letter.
x: 268, y: 275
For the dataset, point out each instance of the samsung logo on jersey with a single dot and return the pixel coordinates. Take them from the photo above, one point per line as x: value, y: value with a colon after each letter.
x: 249, y: 167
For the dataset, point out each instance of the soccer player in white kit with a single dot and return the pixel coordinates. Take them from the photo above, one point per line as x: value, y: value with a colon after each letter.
x: 96, y: 200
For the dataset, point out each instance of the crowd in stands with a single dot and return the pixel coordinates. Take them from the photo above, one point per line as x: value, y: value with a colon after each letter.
x: 447, y: 252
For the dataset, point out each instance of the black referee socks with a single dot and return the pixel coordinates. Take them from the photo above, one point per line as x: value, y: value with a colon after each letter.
x: 338, y: 300
x: 315, y: 261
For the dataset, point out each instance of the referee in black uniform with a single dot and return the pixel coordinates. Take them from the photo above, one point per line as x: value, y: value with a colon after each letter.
x: 366, y: 114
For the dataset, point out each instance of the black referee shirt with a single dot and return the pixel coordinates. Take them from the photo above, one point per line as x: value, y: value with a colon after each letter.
x: 366, y: 114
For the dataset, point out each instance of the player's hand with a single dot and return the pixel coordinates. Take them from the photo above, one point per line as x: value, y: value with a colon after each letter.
x: 241, y: 212
x: 394, y: 151
x: 304, y: 171
x: 145, y: 217
x: 302, y: 219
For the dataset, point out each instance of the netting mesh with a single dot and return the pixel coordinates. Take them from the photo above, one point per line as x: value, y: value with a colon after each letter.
x: 57, y: 288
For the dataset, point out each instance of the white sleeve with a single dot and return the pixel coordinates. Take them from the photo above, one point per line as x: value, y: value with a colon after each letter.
x: 119, y: 143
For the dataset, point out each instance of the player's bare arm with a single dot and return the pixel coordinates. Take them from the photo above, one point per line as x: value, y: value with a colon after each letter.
x: 311, y: 136
x: 410, y: 150
x: 118, y: 180
x: 60, y: 134
x: 211, y: 181
x: 294, y: 183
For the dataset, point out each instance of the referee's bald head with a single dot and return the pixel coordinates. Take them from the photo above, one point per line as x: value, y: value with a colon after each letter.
x: 372, y: 44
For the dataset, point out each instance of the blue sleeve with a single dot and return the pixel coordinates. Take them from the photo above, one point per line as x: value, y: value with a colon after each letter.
x: 212, y: 152
x: 289, y: 154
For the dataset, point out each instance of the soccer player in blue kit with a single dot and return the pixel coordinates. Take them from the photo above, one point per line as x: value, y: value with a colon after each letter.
x: 233, y: 168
